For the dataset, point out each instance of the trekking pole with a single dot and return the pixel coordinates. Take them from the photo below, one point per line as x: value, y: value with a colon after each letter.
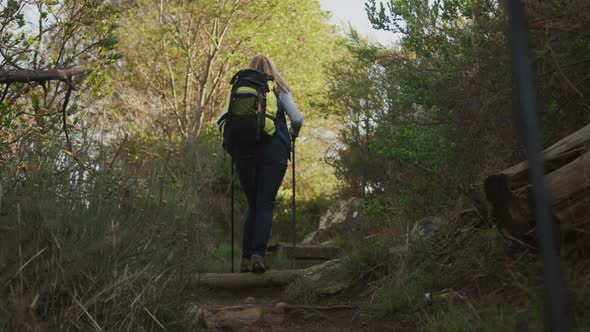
x: 232, y: 214
x: 294, y: 211
x: 555, y: 297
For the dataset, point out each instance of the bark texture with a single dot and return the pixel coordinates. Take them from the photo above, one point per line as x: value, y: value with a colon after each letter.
x: 568, y: 178
x: 26, y: 76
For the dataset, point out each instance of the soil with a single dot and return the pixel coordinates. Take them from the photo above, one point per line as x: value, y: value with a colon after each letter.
x: 321, y: 318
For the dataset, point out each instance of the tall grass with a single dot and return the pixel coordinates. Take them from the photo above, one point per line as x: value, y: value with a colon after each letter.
x: 460, y: 280
x: 111, y: 240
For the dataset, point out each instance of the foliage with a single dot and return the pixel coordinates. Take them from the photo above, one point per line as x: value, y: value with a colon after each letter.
x: 440, y: 123
x: 103, y: 248
x: 299, y: 292
x: 113, y: 195
x: 309, y: 212
x: 428, y: 118
x: 357, y: 99
x: 465, y: 274
x: 418, y: 146
x: 179, y: 57
x: 67, y: 33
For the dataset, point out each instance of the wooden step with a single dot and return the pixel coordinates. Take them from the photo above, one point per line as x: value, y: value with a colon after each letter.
x: 304, y: 252
x: 272, y: 278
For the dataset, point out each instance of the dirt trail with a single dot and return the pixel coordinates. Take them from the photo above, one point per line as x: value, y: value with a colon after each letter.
x: 257, y: 310
x: 236, y: 302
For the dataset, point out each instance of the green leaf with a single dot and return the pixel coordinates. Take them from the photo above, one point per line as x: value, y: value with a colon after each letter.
x: 35, y: 101
x: 72, y: 109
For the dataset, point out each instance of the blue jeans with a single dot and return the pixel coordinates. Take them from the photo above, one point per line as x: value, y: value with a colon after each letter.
x: 261, y: 173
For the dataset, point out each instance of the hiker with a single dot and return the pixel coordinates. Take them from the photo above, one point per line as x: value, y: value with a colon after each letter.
x: 255, y: 134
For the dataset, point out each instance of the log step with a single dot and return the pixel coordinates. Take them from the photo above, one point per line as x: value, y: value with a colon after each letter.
x: 271, y: 278
x: 304, y: 252
x: 327, y: 278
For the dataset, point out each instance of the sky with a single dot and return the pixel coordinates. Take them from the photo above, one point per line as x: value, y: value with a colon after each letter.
x: 353, y: 12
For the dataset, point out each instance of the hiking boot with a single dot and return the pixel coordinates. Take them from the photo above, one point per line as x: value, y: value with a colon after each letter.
x: 245, y: 265
x: 258, y: 264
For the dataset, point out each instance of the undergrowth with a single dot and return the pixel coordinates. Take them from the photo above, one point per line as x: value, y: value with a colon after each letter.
x: 90, y: 247
x: 460, y: 279
x: 300, y: 293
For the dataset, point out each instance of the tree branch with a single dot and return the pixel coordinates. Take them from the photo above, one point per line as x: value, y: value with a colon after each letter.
x: 5, y: 92
x: 64, y: 119
x: 27, y: 76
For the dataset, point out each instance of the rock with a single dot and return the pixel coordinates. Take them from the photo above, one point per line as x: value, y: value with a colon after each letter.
x: 226, y: 318
x: 280, y: 308
x: 192, y: 310
x: 340, y: 217
x: 250, y: 300
x: 309, y: 238
x: 272, y: 319
x: 468, y: 219
x: 235, y: 320
x: 427, y: 227
x: 196, y: 313
x: 328, y: 278
x: 205, y: 319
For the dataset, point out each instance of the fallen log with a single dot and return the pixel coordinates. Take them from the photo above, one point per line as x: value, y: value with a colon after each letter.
x: 555, y: 156
x: 319, y: 307
x: 328, y: 278
x: 568, y: 179
x: 247, y: 280
x: 304, y: 251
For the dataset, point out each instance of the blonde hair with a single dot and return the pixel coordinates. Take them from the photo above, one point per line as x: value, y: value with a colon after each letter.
x: 264, y: 64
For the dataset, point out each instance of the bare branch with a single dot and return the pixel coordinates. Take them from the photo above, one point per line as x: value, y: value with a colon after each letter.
x: 5, y: 92
x: 64, y: 119
x: 27, y: 76
x: 116, y: 156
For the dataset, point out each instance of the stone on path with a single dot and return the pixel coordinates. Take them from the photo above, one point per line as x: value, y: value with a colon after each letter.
x: 280, y: 308
x: 229, y: 318
x: 234, y: 320
x: 328, y: 278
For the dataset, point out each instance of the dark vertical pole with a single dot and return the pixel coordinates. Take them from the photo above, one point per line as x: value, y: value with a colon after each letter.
x: 531, y: 133
x: 232, y: 214
x: 294, y: 211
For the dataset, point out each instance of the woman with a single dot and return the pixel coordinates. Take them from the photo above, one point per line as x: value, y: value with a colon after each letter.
x: 261, y: 172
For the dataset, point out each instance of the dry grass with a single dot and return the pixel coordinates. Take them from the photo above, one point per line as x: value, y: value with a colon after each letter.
x: 107, y: 249
x: 461, y: 281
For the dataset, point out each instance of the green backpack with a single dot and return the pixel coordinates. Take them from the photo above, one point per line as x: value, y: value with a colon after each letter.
x: 249, y: 110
